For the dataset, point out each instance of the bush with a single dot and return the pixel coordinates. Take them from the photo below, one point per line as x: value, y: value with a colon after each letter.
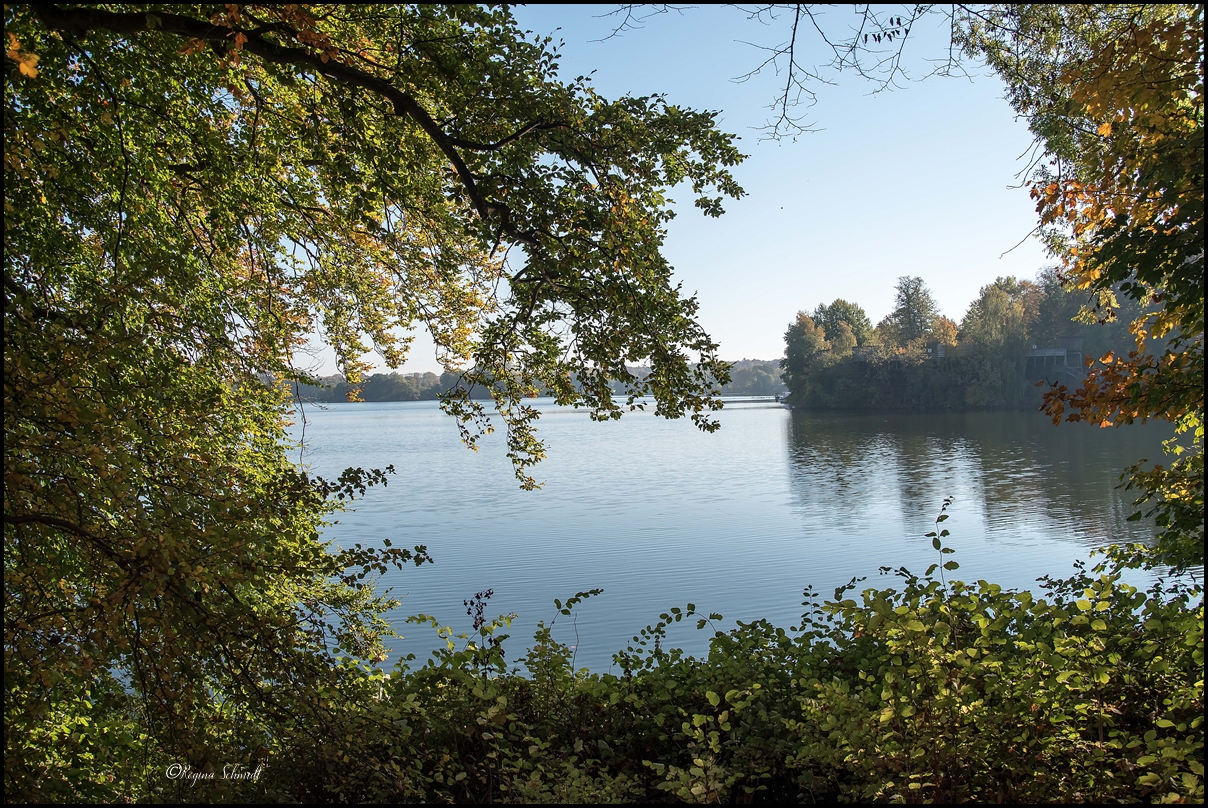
x: 1091, y: 691
x: 923, y: 691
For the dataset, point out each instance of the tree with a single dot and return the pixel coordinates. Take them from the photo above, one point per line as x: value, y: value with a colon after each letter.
x: 945, y: 331
x: 1115, y: 94
x: 840, y: 311
x: 189, y: 192
x: 914, y: 311
x: 754, y: 378
x: 805, y: 342
x: 843, y: 342
x: 998, y: 320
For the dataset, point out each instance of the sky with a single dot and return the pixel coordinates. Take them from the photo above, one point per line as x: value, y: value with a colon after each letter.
x: 909, y: 181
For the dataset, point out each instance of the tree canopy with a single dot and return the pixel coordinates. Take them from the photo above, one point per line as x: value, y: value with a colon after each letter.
x: 363, y: 171
x: 1115, y: 95
x: 914, y: 311
x: 983, y: 364
x: 998, y: 318
x: 190, y: 191
x: 841, y: 311
x: 805, y: 342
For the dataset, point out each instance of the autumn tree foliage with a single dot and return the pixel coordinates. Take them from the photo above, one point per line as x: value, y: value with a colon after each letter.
x: 998, y: 319
x: 841, y: 311
x: 805, y: 347
x: 1115, y: 94
x: 189, y: 192
x: 914, y: 312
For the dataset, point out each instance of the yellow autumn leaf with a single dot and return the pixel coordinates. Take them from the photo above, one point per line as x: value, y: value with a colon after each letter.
x: 1105, y: 129
x: 27, y: 63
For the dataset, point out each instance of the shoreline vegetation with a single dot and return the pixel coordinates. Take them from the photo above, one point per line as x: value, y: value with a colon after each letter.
x: 749, y: 377
x: 926, y: 690
x: 1018, y: 340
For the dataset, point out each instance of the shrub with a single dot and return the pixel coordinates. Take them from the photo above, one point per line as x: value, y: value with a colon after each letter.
x: 926, y: 691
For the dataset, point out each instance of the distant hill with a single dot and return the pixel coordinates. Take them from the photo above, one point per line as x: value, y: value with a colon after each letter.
x: 748, y: 377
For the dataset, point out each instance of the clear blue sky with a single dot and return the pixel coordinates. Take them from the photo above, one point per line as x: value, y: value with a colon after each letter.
x: 913, y: 181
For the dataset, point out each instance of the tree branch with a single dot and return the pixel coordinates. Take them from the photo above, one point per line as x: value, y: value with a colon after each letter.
x: 70, y: 527
x: 81, y: 21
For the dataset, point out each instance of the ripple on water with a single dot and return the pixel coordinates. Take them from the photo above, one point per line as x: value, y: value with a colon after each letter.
x: 738, y: 521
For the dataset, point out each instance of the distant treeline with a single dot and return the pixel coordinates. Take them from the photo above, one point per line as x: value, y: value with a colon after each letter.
x: 754, y: 377
x: 749, y: 377
x: 379, y: 387
x: 1016, y: 336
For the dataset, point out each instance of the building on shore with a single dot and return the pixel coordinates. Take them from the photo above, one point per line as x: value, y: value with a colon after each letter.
x: 1061, y: 364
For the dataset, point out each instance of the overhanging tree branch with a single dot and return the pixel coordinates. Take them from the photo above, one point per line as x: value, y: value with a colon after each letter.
x: 80, y: 21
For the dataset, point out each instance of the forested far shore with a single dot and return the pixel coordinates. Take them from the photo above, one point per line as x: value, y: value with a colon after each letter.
x: 748, y: 377
x: 1018, y: 339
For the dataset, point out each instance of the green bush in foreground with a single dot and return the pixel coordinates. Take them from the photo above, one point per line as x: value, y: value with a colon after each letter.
x: 923, y: 692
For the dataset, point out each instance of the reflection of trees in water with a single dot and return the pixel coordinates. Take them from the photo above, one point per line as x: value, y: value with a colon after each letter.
x: 862, y: 461
x: 928, y: 467
x: 1064, y: 476
x: 1023, y: 471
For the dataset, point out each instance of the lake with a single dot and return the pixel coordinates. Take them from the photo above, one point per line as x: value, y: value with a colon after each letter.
x: 658, y: 514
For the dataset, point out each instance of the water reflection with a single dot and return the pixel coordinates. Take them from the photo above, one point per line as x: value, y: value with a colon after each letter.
x: 1017, y: 472
x: 738, y: 521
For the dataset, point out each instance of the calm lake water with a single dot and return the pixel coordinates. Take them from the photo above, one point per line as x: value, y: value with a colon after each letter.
x: 658, y: 514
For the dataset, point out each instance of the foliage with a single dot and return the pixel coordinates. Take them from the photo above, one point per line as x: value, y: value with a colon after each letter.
x: 843, y: 342
x: 753, y: 377
x: 914, y: 313
x: 1115, y: 95
x: 244, y: 113
x: 1174, y: 495
x: 190, y: 191
x: 805, y: 344
x: 747, y: 377
x: 841, y: 311
x: 924, y: 691
x: 377, y: 387
x: 997, y: 320
x: 983, y: 366
x: 945, y: 331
